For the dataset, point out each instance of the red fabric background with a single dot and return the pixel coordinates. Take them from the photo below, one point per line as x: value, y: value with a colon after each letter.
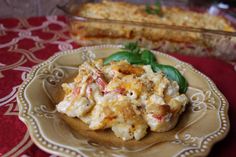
x: 16, y: 57
x: 224, y: 76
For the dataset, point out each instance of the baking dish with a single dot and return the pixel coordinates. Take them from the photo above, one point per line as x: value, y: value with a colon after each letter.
x: 165, y: 37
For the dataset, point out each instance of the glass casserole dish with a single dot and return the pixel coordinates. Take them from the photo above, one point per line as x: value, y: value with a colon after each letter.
x: 166, y: 26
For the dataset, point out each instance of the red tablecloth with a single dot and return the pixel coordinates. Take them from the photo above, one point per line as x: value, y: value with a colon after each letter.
x: 26, y: 42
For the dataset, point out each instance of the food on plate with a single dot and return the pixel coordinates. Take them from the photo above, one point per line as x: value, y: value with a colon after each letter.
x: 124, y: 96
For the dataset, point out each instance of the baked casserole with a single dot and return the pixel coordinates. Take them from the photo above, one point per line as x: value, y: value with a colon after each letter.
x: 87, y: 32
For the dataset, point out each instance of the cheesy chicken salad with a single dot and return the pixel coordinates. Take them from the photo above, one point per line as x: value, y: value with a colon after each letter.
x: 128, y: 98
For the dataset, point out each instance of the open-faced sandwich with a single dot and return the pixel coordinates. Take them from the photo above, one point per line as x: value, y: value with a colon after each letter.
x: 128, y: 92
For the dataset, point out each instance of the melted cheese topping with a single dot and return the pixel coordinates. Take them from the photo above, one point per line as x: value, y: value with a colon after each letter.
x: 126, y: 98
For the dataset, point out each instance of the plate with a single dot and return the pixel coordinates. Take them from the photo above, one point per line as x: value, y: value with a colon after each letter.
x: 204, y: 122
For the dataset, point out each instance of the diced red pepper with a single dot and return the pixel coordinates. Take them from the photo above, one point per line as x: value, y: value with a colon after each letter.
x: 158, y: 117
x: 90, y: 80
x: 120, y: 90
x: 101, y: 82
x: 88, y: 90
x: 98, y: 73
x: 76, y: 91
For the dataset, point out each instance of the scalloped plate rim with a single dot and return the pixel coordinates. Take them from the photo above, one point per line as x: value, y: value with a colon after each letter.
x: 35, y: 68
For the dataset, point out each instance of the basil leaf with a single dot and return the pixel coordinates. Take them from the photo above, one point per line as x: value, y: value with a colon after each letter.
x: 148, y: 57
x: 121, y: 55
x: 134, y: 55
x: 156, y: 9
x: 148, y: 9
x: 124, y: 55
x: 132, y: 47
x: 173, y: 74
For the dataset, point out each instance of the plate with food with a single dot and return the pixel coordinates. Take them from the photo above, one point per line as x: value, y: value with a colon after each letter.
x: 121, y: 100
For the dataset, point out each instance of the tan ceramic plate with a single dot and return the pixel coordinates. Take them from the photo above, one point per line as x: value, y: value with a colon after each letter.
x: 204, y: 122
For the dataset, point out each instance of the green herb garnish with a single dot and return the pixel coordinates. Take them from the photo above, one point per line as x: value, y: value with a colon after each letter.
x: 135, y: 55
x: 156, y: 9
x: 173, y: 74
x: 132, y: 47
